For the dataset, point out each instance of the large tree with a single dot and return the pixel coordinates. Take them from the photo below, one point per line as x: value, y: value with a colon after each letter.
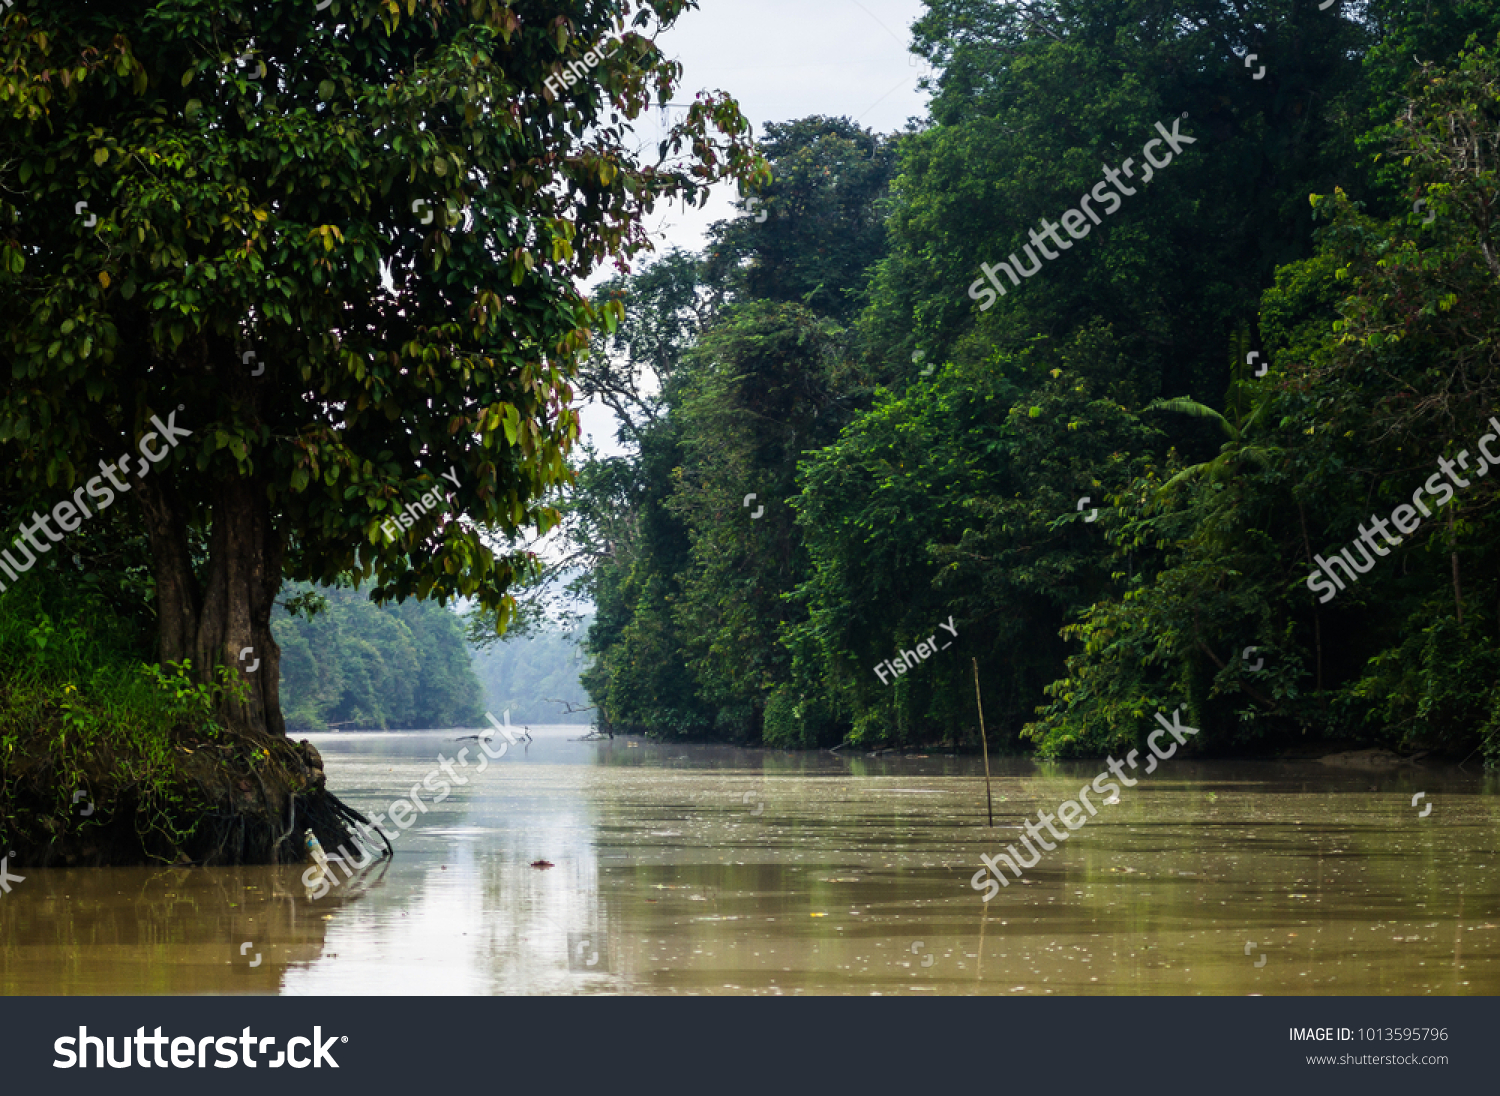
x: 340, y: 242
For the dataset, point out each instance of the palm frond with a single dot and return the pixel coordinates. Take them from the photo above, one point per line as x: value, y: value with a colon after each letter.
x: 1258, y: 455
x: 1182, y: 477
x: 1185, y: 405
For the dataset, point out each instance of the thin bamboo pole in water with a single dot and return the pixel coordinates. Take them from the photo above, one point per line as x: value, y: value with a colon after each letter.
x: 989, y: 803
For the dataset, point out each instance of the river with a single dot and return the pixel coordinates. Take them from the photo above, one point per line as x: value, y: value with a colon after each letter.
x: 715, y: 870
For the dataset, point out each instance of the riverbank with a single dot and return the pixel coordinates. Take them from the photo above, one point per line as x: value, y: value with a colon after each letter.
x: 109, y: 760
x: 1343, y: 753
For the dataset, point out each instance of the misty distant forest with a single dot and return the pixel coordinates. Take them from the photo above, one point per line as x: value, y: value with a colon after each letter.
x: 359, y: 666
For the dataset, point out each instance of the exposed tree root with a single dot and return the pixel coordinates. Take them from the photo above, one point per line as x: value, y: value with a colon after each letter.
x: 232, y: 798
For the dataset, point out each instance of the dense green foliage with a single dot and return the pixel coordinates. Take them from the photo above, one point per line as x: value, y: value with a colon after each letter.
x: 374, y: 666
x: 103, y: 717
x: 1236, y: 377
x: 339, y: 249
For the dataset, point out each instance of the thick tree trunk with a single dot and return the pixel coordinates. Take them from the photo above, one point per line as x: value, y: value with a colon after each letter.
x: 177, y: 601
x: 227, y: 613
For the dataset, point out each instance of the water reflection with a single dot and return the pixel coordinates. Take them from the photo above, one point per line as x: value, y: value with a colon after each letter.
x: 158, y: 930
x: 713, y: 870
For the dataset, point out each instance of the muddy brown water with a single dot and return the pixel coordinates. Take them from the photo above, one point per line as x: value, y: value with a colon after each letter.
x: 707, y: 870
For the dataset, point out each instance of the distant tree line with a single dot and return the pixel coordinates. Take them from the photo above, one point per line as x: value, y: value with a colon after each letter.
x: 363, y: 666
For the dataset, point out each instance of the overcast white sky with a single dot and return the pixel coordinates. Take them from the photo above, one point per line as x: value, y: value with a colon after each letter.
x: 783, y: 59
